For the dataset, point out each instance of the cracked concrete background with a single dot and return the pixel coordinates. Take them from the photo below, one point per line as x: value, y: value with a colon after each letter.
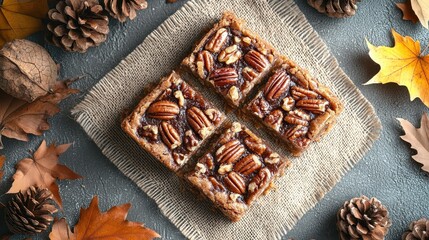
x: 386, y: 172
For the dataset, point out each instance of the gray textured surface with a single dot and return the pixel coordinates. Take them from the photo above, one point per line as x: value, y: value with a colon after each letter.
x: 386, y: 172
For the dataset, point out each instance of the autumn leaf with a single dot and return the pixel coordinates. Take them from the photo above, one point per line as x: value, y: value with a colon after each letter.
x: 407, y: 11
x: 419, y: 140
x: 20, y: 18
x: 403, y: 64
x: 110, y: 225
x: 421, y: 9
x: 19, y: 118
x: 42, y: 170
x: 2, y: 160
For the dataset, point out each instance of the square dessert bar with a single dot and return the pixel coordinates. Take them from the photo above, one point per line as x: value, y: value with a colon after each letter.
x: 295, y: 106
x: 172, y: 121
x: 231, y: 59
x: 236, y: 171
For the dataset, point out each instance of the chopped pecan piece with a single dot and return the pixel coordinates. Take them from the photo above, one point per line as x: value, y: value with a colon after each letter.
x: 169, y: 135
x: 205, y: 63
x: 277, y: 85
x: 249, y: 74
x: 275, y: 119
x: 260, y: 107
x: 150, y: 131
x: 274, y: 158
x: 233, y: 93
x: 258, y: 184
x: 219, y: 39
x: 313, y: 105
x: 230, y: 152
x: 163, y: 110
x: 230, y: 55
x: 224, y: 169
x: 181, y: 99
x: 213, y: 114
x: 187, y: 91
x: 248, y: 164
x: 288, y: 103
x: 191, y: 142
x: 179, y: 158
x: 299, y: 92
x: 255, y: 145
x: 224, y: 76
x: 199, y: 121
x: 235, y: 183
x: 257, y: 60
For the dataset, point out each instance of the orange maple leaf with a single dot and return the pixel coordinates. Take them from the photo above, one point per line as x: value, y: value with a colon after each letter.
x: 19, y: 118
x: 419, y: 140
x: 20, y: 18
x: 403, y: 64
x: 407, y: 11
x: 42, y: 171
x: 110, y: 225
x: 2, y: 160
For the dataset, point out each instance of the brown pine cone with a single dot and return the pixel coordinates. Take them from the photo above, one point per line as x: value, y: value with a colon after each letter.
x: 363, y: 218
x: 30, y: 212
x: 123, y: 9
x: 419, y: 230
x: 335, y: 8
x: 76, y: 25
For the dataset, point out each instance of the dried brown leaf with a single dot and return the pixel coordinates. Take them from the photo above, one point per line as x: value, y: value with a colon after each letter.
x: 42, y: 170
x: 419, y: 140
x: 110, y: 225
x: 19, y: 118
x: 407, y: 11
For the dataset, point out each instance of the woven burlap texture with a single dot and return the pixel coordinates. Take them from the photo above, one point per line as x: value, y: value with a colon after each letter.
x: 305, y: 183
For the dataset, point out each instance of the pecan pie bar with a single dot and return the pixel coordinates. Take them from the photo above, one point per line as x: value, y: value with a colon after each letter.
x: 172, y: 121
x: 236, y: 171
x: 231, y: 59
x: 295, y: 106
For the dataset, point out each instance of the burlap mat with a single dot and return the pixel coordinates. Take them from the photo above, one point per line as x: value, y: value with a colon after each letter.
x: 312, y: 175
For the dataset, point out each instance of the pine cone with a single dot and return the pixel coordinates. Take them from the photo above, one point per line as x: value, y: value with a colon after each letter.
x: 30, y: 212
x: 76, y: 25
x: 363, y: 218
x: 335, y: 8
x: 419, y: 230
x: 123, y: 9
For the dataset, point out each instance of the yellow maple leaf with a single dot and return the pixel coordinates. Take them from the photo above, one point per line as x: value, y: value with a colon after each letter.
x: 403, y: 64
x: 20, y: 18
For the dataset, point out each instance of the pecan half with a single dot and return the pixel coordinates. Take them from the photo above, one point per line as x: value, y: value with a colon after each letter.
x: 256, y: 146
x: 230, y: 152
x: 275, y: 119
x: 257, y: 60
x: 296, y: 132
x: 205, y: 63
x: 229, y: 55
x: 313, y: 105
x: 258, y: 184
x: 248, y: 164
x: 216, y: 184
x: 235, y: 183
x: 219, y: 39
x: 249, y: 74
x: 199, y: 121
x: 169, y: 135
x: 298, y: 117
x: 260, y: 107
x: 163, y: 110
x: 277, y: 85
x: 299, y: 92
x: 224, y: 76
